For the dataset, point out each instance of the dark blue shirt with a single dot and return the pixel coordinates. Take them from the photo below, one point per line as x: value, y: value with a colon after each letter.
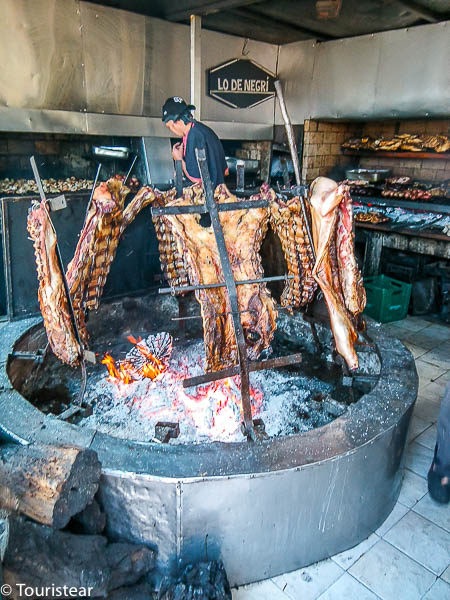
x: 202, y: 136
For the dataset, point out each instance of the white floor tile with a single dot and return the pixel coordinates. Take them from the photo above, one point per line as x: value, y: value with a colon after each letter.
x: 438, y: 356
x: 264, y: 590
x: 439, y: 332
x: 419, y: 458
x: 446, y: 575
x: 397, y: 513
x: 421, y: 340
x: 427, y: 408
x: 421, y: 540
x: 436, y: 389
x: 416, y: 351
x: 396, y: 332
x: 347, y: 588
x: 438, y: 591
x: 439, y: 514
x: 417, y: 426
x: 428, y: 437
x: 391, y: 574
x: 428, y: 372
x: 349, y: 557
x: 413, y: 489
x: 310, y: 582
x: 412, y: 324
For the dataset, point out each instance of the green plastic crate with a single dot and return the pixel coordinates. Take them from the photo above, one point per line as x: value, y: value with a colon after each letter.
x: 387, y: 298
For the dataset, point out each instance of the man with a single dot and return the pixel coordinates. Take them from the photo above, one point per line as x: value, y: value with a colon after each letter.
x: 439, y: 473
x: 176, y: 114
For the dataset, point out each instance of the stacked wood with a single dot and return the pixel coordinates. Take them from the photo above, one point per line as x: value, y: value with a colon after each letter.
x: 91, y: 520
x: 49, y: 484
x: 54, y: 485
x: 41, y: 556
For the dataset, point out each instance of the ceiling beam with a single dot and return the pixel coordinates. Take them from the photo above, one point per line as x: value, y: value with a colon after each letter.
x: 421, y: 11
x: 267, y: 20
x: 206, y: 8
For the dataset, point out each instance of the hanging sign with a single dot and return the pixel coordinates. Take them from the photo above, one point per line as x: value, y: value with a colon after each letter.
x: 241, y: 83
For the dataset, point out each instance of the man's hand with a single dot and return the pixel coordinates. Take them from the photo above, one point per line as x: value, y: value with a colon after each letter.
x: 177, y: 151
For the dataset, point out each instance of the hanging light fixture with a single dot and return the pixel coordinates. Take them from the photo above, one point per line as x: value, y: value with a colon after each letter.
x: 328, y: 9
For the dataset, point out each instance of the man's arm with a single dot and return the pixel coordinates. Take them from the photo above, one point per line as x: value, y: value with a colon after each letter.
x: 177, y: 154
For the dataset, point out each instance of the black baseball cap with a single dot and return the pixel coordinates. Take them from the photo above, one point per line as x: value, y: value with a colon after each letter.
x: 174, y: 108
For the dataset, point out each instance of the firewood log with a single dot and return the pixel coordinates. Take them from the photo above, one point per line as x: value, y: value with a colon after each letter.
x: 40, y: 556
x: 50, y: 484
x: 91, y: 519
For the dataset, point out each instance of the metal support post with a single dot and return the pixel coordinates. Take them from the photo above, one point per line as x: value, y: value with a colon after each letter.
x: 232, y: 292
x: 196, y: 64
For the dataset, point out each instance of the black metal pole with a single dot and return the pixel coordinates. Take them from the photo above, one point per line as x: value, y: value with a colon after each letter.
x: 65, y: 284
x: 232, y: 292
x: 179, y: 178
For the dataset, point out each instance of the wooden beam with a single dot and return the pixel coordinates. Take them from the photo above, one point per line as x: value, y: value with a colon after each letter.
x: 206, y: 8
x: 268, y: 20
x: 421, y: 11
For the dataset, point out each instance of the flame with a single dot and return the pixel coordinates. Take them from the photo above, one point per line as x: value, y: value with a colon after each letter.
x: 124, y: 371
x: 214, y: 408
x: 116, y: 374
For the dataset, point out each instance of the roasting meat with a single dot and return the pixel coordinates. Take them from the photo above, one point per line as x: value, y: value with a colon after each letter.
x: 51, y: 186
x: 335, y: 270
x: 286, y: 219
x: 244, y: 231
x: 51, y: 293
x: 143, y: 198
x: 96, y: 248
x: 349, y: 274
x: 172, y: 262
x: 407, y: 142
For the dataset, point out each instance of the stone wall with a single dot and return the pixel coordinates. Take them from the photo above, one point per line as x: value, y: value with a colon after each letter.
x: 322, y: 146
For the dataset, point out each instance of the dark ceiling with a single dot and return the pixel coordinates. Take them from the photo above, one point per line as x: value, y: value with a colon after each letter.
x: 284, y: 21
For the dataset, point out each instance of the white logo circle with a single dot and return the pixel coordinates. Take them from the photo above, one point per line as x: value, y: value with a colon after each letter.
x: 177, y: 99
x: 6, y: 590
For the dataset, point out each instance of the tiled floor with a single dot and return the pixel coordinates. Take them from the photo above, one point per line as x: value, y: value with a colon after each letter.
x: 408, y: 557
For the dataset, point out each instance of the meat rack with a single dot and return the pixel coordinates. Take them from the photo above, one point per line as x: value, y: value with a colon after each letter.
x: 245, y: 366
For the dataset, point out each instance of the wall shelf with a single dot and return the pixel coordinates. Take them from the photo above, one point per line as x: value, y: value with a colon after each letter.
x: 382, y: 154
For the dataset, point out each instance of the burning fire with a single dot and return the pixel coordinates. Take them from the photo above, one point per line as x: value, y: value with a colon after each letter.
x: 157, y: 392
x: 144, y: 365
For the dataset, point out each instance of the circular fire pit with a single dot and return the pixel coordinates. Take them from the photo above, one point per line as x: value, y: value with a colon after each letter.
x: 265, y: 508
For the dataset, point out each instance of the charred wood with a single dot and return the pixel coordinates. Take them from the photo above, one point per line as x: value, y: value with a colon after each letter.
x: 40, y: 556
x: 49, y: 484
x: 91, y: 520
x: 202, y: 581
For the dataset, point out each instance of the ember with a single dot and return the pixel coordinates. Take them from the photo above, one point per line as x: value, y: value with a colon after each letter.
x: 210, y: 412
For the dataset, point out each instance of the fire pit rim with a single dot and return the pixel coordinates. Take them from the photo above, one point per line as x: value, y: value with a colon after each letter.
x: 381, y: 409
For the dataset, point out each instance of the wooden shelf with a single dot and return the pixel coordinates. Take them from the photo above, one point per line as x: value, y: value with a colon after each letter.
x: 381, y: 153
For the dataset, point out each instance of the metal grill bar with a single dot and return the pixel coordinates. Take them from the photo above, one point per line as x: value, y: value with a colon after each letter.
x: 207, y: 286
x: 201, y: 208
x: 271, y: 363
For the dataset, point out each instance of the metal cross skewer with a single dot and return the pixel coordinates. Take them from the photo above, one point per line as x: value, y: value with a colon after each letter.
x: 66, y: 286
x: 232, y: 292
